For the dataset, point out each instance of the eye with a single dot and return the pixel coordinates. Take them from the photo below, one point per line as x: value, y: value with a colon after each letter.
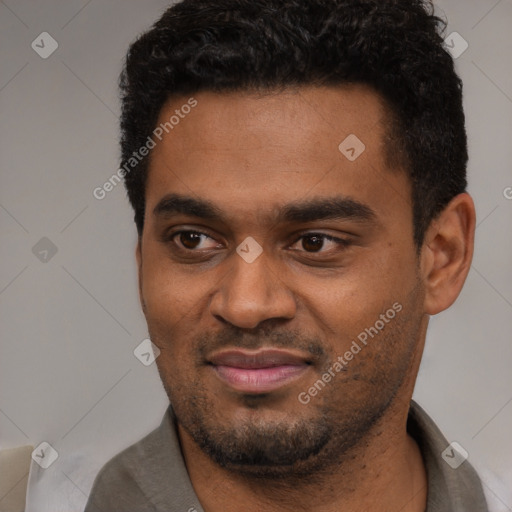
x: 317, y: 242
x: 193, y: 240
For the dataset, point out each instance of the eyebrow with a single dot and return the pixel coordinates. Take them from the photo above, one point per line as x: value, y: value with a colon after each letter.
x: 330, y: 208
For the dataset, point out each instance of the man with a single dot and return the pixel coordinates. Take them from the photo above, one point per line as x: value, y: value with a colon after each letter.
x: 297, y: 171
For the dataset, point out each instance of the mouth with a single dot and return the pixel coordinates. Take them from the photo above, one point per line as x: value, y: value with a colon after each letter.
x: 259, y: 371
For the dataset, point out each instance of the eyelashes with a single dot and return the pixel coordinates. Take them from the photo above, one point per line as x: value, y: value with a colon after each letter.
x: 192, y: 241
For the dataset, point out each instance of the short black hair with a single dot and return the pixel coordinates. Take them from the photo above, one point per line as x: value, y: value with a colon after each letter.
x: 394, y: 46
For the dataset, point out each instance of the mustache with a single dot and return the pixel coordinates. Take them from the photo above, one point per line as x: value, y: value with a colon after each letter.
x: 253, y: 339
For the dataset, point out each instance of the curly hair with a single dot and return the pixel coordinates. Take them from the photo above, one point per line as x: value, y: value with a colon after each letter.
x: 393, y: 46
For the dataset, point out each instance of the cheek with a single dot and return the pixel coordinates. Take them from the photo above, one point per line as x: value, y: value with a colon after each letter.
x: 175, y: 301
x: 352, y: 301
x: 171, y: 296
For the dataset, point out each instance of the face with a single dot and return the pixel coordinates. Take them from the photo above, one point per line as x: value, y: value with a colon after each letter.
x: 278, y: 274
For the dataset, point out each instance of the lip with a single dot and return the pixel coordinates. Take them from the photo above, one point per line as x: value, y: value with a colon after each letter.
x: 259, y: 371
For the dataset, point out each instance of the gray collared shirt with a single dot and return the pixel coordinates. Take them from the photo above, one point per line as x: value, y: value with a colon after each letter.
x: 150, y: 476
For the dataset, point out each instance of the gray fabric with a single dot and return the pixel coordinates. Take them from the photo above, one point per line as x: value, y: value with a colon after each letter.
x: 150, y: 476
x: 449, y: 490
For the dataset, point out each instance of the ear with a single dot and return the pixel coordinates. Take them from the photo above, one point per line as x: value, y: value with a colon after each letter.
x: 447, y: 252
x: 138, y: 257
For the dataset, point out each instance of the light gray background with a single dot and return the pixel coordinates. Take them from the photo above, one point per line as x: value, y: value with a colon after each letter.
x: 69, y: 326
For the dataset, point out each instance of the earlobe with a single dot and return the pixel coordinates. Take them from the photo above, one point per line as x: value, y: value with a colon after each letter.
x: 447, y: 253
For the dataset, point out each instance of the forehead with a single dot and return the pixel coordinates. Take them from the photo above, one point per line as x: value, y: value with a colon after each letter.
x: 309, y: 117
x: 251, y: 152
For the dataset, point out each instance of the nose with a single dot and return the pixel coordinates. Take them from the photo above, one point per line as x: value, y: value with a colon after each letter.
x: 251, y: 293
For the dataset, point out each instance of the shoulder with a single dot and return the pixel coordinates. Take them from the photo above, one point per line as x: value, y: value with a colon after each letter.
x: 453, y: 484
x: 118, y: 487
x: 148, y: 476
x: 130, y: 479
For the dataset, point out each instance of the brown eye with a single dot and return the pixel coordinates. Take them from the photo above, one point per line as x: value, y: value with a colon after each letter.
x: 189, y: 239
x: 320, y: 243
x: 312, y: 243
x: 194, y: 241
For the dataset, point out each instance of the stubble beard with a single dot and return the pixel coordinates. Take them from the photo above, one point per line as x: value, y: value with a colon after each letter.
x: 337, y: 425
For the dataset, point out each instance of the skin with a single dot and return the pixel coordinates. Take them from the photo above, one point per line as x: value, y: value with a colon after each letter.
x: 250, y: 155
